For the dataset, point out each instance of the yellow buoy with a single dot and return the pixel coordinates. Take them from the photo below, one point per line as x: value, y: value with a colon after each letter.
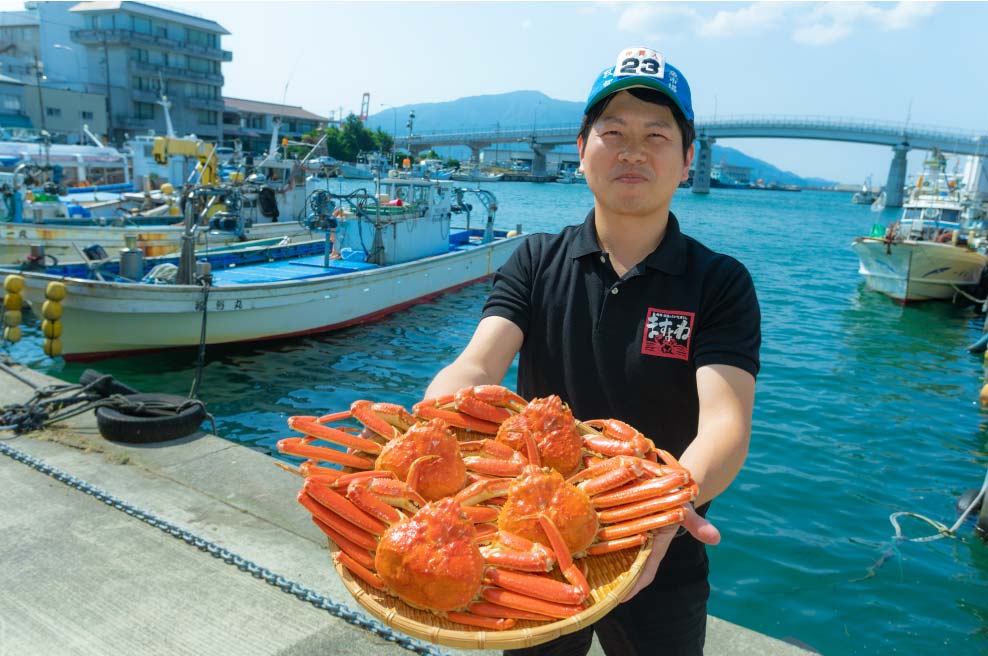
x: 51, y: 310
x: 13, y: 283
x: 174, y: 210
x: 53, y: 347
x: 12, y: 334
x: 984, y: 395
x: 51, y: 329
x: 56, y: 291
x: 12, y: 318
x: 167, y: 188
x: 12, y: 301
x: 512, y: 233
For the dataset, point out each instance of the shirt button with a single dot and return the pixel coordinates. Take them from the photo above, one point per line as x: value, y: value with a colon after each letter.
x: 603, y: 259
x: 614, y: 290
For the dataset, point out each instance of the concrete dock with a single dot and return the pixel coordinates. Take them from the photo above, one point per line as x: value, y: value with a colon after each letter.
x: 80, y: 576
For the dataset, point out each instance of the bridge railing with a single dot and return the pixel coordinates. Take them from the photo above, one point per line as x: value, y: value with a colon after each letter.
x: 856, y: 125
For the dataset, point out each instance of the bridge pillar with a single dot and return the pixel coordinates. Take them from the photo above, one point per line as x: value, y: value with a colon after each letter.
x: 476, y: 147
x: 897, y: 176
x: 539, y: 153
x: 701, y: 166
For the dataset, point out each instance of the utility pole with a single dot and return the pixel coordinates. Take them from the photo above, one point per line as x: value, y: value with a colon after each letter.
x: 39, y: 75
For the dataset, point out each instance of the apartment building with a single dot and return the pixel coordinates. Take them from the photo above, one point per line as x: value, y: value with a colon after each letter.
x: 252, y: 122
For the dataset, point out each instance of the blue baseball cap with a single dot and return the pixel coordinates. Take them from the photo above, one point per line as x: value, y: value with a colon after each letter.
x: 642, y: 67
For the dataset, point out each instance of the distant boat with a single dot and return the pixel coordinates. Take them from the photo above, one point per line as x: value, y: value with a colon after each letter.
x: 476, y: 175
x: 866, y: 196
x: 931, y: 251
x: 387, y: 252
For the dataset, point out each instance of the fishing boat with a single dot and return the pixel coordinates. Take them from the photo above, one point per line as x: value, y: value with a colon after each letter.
x: 476, y: 175
x: 866, y: 196
x: 934, y: 249
x: 261, y: 200
x: 380, y: 252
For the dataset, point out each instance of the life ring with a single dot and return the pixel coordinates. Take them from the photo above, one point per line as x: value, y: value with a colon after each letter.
x: 140, y: 426
x: 931, y: 213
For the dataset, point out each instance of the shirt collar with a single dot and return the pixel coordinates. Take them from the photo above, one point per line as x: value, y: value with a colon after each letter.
x: 670, y: 256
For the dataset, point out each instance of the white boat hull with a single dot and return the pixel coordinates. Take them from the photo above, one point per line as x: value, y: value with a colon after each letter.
x: 103, y: 319
x: 917, y: 270
x: 61, y: 241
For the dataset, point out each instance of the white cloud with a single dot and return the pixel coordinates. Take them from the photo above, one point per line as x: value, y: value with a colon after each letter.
x: 755, y: 17
x: 658, y: 20
x: 832, y: 21
x: 812, y: 24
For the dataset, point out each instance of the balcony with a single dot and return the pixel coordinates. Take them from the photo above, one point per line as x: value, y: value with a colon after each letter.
x: 130, y: 37
x: 171, y: 72
x: 144, y: 96
x: 204, y: 103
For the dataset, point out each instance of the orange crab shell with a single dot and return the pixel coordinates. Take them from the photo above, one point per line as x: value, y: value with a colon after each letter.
x: 431, y: 560
x: 439, y: 477
x: 544, y: 491
x: 552, y: 425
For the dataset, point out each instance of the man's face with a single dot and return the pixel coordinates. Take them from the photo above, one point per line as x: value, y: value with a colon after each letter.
x: 633, y: 157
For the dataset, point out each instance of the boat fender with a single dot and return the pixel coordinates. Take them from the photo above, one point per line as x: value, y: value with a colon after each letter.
x: 966, y: 499
x: 147, y: 418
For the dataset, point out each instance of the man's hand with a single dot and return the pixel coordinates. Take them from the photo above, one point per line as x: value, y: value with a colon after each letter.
x: 697, y: 526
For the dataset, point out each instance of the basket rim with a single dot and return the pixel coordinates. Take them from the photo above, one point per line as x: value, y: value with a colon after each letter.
x: 483, y: 639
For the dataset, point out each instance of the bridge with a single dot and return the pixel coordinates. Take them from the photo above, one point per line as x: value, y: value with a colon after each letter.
x: 901, y: 137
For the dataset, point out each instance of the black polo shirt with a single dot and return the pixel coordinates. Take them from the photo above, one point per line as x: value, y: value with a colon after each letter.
x: 628, y: 347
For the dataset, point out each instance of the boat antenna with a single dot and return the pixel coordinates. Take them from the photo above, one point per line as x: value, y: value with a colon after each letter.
x: 165, y: 105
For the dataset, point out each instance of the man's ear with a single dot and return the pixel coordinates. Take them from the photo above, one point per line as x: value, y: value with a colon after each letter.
x: 689, y: 160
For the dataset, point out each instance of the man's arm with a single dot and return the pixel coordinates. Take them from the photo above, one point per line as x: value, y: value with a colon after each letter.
x: 714, y: 458
x: 484, y: 361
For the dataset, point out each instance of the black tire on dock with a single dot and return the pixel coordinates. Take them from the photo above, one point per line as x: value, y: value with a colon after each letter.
x: 145, y: 428
x: 106, y: 387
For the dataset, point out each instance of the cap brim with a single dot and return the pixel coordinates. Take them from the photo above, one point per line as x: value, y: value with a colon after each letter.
x: 631, y: 83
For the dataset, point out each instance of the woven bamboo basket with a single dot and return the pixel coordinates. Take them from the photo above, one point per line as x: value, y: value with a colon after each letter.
x: 611, y: 576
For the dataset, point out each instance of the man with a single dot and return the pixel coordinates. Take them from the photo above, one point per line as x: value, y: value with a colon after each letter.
x: 626, y: 317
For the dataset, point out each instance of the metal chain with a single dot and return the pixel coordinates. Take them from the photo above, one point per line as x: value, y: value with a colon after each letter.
x: 257, y: 571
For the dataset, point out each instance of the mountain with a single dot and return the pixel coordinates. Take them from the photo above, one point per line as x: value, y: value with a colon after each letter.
x: 527, y: 109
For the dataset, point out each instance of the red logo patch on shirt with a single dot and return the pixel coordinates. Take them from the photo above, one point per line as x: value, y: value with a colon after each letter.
x: 667, y: 333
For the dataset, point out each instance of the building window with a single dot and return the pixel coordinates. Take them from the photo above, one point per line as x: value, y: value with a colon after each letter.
x: 143, y: 110
x: 86, y: 116
x: 139, y: 55
x: 53, y: 111
x: 142, y: 25
x: 10, y: 103
x: 207, y: 116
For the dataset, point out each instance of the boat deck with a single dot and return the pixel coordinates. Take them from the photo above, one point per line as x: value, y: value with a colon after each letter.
x: 314, y: 266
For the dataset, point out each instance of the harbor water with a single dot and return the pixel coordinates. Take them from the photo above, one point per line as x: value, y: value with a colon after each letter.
x: 863, y: 408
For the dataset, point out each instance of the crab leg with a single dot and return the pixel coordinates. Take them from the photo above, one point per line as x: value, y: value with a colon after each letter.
x: 536, y: 585
x: 482, y: 491
x: 381, y: 498
x: 300, y: 446
x: 340, y: 505
x: 357, y: 552
x: 496, y: 459
x: 674, y: 516
x: 310, y: 468
x: 359, y: 570
x: 492, y: 403
x: 645, y: 490
x: 497, y: 624
x: 610, y: 546
x: 389, y: 420
x: 312, y: 427
x: 617, y: 438
x: 487, y: 609
x: 517, y: 553
x: 523, y: 602
x: 354, y: 534
x: 647, y: 507
x: 433, y: 409
x: 566, y: 565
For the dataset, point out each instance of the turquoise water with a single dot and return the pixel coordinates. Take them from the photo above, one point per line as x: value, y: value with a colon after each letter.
x: 863, y: 408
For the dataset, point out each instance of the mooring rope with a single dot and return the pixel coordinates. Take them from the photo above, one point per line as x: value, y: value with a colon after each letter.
x: 229, y: 557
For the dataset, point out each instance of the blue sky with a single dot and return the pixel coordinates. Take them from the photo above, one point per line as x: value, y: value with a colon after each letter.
x: 875, y: 61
